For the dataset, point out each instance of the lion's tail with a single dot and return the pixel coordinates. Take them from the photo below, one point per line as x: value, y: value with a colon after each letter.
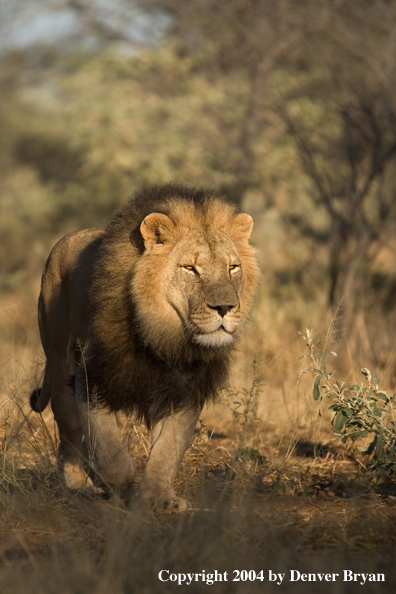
x: 39, y: 400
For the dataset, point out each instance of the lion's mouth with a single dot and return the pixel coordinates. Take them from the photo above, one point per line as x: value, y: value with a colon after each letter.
x: 216, y: 338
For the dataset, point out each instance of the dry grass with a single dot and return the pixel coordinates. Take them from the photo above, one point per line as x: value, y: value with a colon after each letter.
x: 272, y: 493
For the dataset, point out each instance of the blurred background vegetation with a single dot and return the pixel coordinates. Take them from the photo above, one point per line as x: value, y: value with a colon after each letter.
x: 288, y: 107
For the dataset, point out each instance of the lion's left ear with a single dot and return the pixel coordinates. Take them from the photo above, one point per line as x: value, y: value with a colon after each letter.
x: 156, y: 228
x: 241, y: 226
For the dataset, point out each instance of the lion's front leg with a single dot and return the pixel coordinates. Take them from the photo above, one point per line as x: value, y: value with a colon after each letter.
x: 170, y: 439
x: 106, y: 452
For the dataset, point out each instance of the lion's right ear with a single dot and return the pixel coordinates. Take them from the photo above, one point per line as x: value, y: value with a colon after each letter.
x: 241, y: 226
x: 156, y: 228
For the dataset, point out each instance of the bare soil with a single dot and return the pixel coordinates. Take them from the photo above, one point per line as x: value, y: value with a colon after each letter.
x: 312, y: 511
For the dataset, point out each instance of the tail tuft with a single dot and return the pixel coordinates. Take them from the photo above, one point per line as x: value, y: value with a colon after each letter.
x: 35, y: 401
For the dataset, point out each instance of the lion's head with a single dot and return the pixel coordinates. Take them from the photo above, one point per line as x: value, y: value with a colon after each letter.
x: 194, y: 282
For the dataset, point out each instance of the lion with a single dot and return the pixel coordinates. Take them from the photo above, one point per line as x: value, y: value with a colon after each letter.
x: 142, y: 317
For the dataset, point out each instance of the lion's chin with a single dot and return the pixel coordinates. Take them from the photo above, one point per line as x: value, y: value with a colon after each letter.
x: 218, y: 338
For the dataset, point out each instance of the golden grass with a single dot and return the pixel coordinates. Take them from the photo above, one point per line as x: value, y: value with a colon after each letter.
x: 273, y: 493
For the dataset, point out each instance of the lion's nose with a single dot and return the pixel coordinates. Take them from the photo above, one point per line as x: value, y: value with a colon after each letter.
x: 222, y: 309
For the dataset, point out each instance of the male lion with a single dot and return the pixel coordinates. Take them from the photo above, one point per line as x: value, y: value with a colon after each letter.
x: 142, y: 317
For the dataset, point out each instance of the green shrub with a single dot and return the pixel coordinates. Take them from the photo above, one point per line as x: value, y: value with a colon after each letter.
x: 360, y: 413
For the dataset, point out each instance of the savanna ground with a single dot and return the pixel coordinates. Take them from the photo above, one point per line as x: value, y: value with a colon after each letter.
x: 274, y: 492
x: 270, y: 486
x: 298, y: 127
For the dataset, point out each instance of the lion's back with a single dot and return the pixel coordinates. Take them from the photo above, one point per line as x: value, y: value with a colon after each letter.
x: 64, y: 288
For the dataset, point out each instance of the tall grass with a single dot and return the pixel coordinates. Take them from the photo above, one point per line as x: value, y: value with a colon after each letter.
x: 259, y: 503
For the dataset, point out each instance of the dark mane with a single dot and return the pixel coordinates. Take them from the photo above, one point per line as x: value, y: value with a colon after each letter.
x: 157, y: 199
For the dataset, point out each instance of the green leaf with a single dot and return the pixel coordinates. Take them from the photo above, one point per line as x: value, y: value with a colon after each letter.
x: 363, y: 449
x: 357, y: 435
x: 340, y: 421
x: 382, y: 396
x: 376, y: 378
x: 316, y: 391
x: 379, y: 447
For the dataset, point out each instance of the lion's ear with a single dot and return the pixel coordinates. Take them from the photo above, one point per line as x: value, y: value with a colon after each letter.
x: 241, y: 226
x: 156, y: 228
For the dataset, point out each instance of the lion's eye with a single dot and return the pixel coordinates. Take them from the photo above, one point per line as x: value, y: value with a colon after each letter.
x: 234, y: 267
x: 190, y: 268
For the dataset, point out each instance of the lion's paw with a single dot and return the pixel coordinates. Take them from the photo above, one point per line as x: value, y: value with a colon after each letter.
x: 76, y: 479
x: 165, y: 504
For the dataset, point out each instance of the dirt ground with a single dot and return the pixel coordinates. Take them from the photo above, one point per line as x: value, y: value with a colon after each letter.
x: 309, y: 515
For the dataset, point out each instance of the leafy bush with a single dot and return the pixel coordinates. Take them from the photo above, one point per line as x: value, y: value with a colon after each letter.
x: 359, y: 412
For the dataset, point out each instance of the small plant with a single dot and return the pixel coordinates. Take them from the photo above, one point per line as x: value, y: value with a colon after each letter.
x: 359, y: 412
x: 244, y: 410
x: 251, y: 455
